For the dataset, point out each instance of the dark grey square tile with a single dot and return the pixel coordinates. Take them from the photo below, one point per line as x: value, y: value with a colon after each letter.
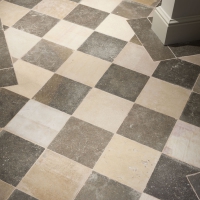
x: 81, y: 142
x: 150, y: 19
x: 18, y: 195
x: 132, y: 10
x: 7, y: 77
x: 36, y: 23
x: 5, y: 27
x: 102, y: 46
x: 191, y: 112
x: 155, y: 48
x: 17, y: 156
x: 62, y: 93
x: 178, y: 72
x: 48, y: 55
x: 25, y: 3
x: 197, y: 86
x: 195, y: 182
x: 135, y: 40
x: 86, y: 16
x: 122, y: 82
x: 147, y: 127
x: 99, y: 187
x: 77, y: 1
x: 169, y: 181
x: 10, y: 104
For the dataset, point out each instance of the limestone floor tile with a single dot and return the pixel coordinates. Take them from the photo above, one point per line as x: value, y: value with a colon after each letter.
x: 5, y: 190
x: 68, y: 34
x: 194, y: 180
x: 183, y: 143
x: 128, y: 162
x: 11, y: 13
x: 54, y: 177
x: 164, y: 97
x: 135, y: 40
x: 145, y: 196
x: 103, y: 109
x: 19, y: 195
x: 7, y: 77
x: 193, y: 59
x: 110, y: 26
x: 104, y: 5
x: 148, y: 2
x: 28, y: 3
x: 38, y: 123
x: 197, y: 85
x: 31, y: 78
x: 135, y: 57
x: 84, y: 68
x: 20, y: 42
x: 58, y: 9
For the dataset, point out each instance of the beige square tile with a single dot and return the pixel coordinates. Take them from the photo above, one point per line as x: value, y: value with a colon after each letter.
x: 58, y: 9
x: 38, y: 123
x: 54, y: 177
x: 183, y: 143
x: 5, y: 190
x: 147, y: 197
x: 30, y: 78
x: 136, y: 58
x: 68, y: 34
x: 103, y: 109
x: 104, y: 5
x: 195, y: 59
x: 128, y: 162
x: 20, y: 42
x: 11, y: 13
x: 84, y: 68
x: 164, y: 97
x: 110, y: 26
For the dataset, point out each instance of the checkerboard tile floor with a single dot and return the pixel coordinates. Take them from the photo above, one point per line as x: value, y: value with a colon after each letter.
x: 101, y: 110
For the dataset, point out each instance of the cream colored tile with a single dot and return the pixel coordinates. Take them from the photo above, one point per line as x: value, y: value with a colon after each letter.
x: 11, y: 13
x: 117, y: 27
x: 30, y: 78
x: 195, y: 59
x: 103, y: 109
x: 164, y: 97
x: 128, y: 162
x: 135, y: 57
x: 54, y: 177
x: 58, y: 9
x: 84, y: 68
x: 104, y: 5
x: 38, y: 123
x: 147, y: 197
x: 20, y: 42
x: 183, y: 143
x: 68, y: 34
x: 5, y: 190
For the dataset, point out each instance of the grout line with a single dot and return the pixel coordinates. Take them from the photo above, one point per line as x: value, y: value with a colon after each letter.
x: 193, y: 187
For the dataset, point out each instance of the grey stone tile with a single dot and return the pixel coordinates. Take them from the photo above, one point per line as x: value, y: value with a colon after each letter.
x: 77, y: 1
x: 195, y: 182
x: 155, y: 48
x: 1, y: 26
x: 26, y: 3
x: 147, y: 127
x: 178, y: 72
x: 81, y: 142
x: 99, y: 187
x: 135, y: 40
x: 132, y: 10
x: 197, y: 86
x: 5, y: 27
x: 191, y: 112
x: 169, y: 181
x: 86, y: 16
x: 10, y: 104
x: 102, y: 46
x: 48, y: 55
x: 122, y: 82
x: 7, y: 77
x: 150, y: 19
x: 18, y: 195
x: 62, y: 93
x: 36, y: 23
x: 17, y: 156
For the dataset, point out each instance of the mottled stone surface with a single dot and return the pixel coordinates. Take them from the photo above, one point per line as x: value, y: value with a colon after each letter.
x: 10, y: 104
x: 27, y: 3
x: 86, y: 16
x: 5, y: 190
x: 178, y: 72
x: 19, y: 195
x: 99, y: 187
x: 169, y: 181
x: 195, y: 182
x: 7, y: 77
x: 102, y: 46
x: 47, y: 55
x: 135, y: 40
x: 156, y: 49
x: 197, y: 85
x: 132, y: 10
x: 147, y: 127
x: 17, y: 156
x: 148, y: 2
x: 191, y: 112
x: 36, y: 23
x: 122, y: 82
x: 77, y: 1
x: 62, y: 93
